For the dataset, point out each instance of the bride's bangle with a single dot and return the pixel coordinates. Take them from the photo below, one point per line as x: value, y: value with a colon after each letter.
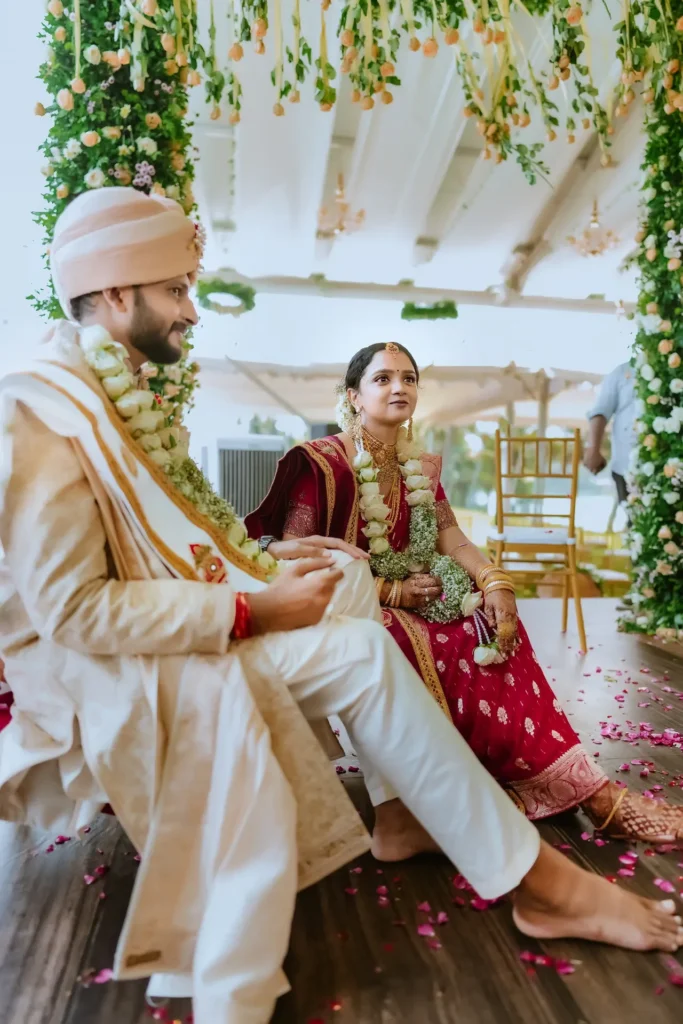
x: 379, y: 586
x: 489, y: 572
x: 499, y: 585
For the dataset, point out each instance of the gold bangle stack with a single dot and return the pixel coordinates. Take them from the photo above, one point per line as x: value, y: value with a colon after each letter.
x: 395, y: 594
x: 492, y: 578
x: 379, y: 586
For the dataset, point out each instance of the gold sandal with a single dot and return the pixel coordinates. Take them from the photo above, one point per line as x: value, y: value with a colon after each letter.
x: 635, y: 826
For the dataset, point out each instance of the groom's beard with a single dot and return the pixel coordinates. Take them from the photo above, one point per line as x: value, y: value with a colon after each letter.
x: 150, y: 334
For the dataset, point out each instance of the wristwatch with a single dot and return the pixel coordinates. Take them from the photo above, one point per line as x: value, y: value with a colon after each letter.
x: 265, y: 542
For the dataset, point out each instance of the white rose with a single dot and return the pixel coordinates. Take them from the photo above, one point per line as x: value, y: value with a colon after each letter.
x: 72, y: 149
x: 655, y: 384
x: 470, y: 603
x: 642, y: 620
x: 375, y: 529
x: 105, y: 364
x: 92, y: 55
x: 671, y: 498
x: 146, y: 422
x: 485, y: 655
x: 420, y: 498
x: 648, y: 468
x: 266, y: 561
x: 174, y: 374
x: 362, y: 460
x: 251, y: 548
x: 378, y: 513
x: 412, y: 467
x: 659, y: 424
x: 169, y: 437
x: 367, y: 475
x: 160, y: 457
x: 150, y: 442
x: 673, y: 425
x: 676, y: 386
x: 650, y: 242
x: 92, y: 338
x: 128, y: 405
x: 378, y: 545
x: 417, y: 483
x: 95, y: 178
x: 147, y: 146
x: 367, y: 489
x: 646, y: 500
x: 237, y: 533
x: 134, y: 402
x: 118, y: 385
x: 646, y: 372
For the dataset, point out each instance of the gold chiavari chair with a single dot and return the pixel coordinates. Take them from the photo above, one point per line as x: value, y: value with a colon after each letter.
x: 532, y: 475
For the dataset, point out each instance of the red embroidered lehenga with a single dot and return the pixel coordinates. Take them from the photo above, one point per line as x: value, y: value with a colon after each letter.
x: 508, y: 713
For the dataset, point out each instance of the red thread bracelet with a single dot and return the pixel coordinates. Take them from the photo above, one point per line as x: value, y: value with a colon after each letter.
x: 242, y: 626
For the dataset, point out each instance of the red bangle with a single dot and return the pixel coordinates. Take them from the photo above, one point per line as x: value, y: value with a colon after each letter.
x: 242, y: 626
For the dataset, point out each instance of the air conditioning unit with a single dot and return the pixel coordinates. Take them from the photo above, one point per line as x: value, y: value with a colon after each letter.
x: 246, y: 468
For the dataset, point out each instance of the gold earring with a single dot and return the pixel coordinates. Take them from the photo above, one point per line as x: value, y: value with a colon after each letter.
x: 410, y: 429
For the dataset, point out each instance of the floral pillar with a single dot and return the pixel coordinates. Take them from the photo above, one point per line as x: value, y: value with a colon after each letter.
x: 118, y: 77
x: 657, y: 501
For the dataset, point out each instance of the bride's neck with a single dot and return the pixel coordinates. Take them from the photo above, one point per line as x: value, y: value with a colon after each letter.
x: 387, y: 434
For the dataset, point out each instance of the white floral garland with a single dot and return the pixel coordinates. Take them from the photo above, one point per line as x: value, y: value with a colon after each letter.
x: 421, y: 556
x: 147, y: 417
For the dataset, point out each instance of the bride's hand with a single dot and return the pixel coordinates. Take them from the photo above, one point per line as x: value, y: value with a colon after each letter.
x: 419, y: 590
x: 501, y: 612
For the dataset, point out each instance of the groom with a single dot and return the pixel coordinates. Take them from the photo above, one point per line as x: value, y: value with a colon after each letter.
x: 178, y: 686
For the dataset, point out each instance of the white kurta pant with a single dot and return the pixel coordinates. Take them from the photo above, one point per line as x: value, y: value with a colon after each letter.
x: 354, y: 669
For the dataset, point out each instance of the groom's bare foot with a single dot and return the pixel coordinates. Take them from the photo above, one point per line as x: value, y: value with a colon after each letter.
x: 398, y: 835
x: 557, y: 899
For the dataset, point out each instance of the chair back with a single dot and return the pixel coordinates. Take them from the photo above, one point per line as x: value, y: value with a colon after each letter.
x: 533, y: 475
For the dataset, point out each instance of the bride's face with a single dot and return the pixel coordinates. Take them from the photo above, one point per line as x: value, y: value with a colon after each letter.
x: 388, y: 390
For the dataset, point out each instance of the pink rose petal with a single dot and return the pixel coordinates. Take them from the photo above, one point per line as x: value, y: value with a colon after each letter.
x: 665, y: 886
x: 424, y: 908
x: 426, y: 931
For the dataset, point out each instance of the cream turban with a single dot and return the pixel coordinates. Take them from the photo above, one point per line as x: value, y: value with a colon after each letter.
x: 117, y: 237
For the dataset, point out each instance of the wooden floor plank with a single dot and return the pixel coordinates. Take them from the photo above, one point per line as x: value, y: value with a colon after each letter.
x: 350, y: 962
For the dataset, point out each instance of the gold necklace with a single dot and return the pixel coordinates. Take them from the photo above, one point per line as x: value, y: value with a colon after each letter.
x: 385, y: 458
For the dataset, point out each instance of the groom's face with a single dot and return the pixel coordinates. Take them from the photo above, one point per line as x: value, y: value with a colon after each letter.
x: 161, y: 316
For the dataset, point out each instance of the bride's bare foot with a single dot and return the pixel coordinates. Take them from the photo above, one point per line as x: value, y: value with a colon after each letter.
x: 398, y: 835
x: 558, y: 899
x: 634, y: 817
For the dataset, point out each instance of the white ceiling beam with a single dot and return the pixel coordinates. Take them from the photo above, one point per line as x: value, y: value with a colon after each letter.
x: 406, y: 292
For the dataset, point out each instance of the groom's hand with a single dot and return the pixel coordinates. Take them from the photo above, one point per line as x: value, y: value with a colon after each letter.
x: 297, y: 598
x: 312, y: 547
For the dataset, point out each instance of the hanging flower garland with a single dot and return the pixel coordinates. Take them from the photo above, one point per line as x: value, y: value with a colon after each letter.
x: 118, y: 76
x: 444, y: 310
x: 656, y: 501
x: 150, y: 422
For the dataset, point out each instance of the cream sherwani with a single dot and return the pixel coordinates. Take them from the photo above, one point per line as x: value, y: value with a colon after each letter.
x: 128, y: 690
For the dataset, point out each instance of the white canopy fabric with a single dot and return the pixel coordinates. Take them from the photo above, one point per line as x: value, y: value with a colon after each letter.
x: 448, y: 394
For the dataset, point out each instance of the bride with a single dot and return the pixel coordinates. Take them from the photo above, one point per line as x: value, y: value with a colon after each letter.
x: 367, y: 487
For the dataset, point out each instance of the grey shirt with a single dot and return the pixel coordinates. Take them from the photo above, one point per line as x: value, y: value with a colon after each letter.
x: 617, y: 400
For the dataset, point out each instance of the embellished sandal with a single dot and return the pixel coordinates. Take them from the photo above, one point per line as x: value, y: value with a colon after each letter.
x: 634, y: 818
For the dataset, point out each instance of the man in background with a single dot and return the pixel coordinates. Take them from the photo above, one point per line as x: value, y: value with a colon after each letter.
x: 617, y: 402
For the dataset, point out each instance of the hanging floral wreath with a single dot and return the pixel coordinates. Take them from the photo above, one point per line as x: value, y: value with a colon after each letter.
x: 207, y: 287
